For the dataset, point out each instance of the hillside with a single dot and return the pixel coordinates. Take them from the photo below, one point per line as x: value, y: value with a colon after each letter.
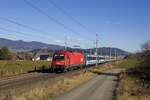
x: 106, y: 50
x: 19, y: 45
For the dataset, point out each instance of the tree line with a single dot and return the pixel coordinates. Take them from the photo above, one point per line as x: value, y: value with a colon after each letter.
x: 144, y: 60
x: 5, y: 53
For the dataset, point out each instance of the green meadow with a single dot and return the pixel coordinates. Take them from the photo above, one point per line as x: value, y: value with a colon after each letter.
x: 128, y: 63
x: 11, y: 67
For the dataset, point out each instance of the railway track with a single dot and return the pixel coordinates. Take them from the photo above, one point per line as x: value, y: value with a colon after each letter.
x: 18, y: 83
x: 26, y: 82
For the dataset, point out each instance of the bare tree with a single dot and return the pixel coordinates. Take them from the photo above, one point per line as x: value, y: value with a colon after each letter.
x: 144, y: 58
x: 146, y: 46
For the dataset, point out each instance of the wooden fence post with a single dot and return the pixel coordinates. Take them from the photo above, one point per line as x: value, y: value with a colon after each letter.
x: 35, y: 68
x: 2, y: 73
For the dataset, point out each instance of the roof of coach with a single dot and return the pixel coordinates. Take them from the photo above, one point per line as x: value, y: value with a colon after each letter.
x: 88, y: 55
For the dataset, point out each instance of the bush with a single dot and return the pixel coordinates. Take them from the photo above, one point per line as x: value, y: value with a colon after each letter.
x: 144, y: 59
x: 5, y: 54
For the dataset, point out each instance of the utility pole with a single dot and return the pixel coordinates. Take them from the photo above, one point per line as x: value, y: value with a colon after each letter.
x: 96, y: 49
x: 115, y: 54
x: 118, y: 55
x: 101, y: 51
x: 110, y: 53
x: 91, y: 51
x: 65, y: 43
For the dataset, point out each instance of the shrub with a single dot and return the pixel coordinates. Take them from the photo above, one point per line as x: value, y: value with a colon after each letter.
x: 5, y: 54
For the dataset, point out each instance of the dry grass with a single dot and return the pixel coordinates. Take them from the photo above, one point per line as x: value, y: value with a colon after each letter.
x: 48, y: 92
x: 105, y: 67
x: 133, y: 84
x: 131, y: 87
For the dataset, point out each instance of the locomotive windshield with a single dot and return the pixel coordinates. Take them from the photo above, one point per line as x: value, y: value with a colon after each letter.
x: 59, y: 57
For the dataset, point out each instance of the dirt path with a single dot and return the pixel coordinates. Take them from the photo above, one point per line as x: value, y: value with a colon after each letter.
x: 99, y: 88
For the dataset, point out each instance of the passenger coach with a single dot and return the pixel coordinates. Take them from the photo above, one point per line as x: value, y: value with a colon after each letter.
x: 91, y: 59
x: 65, y: 60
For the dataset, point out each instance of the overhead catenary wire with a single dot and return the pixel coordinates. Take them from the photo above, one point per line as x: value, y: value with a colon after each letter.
x: 25, y: 26
x: 22, y: 25
x: 67, y: 14
x: 18, y: 33
x: 8, y: 35
x: 52, y: 18
x: 32, y: 28
x: 14, y: 31
x: 41, y: 32
x: 49, y: 17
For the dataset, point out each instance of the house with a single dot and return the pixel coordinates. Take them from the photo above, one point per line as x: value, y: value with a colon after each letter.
x: 42, y: 56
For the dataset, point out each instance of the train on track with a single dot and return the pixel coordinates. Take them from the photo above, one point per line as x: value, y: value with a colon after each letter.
x: 65, y: 60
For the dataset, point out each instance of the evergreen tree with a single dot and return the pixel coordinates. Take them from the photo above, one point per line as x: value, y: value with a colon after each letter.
x: 5, y: 54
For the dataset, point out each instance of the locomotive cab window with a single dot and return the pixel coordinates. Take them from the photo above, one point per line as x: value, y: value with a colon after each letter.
x: 59, y: 57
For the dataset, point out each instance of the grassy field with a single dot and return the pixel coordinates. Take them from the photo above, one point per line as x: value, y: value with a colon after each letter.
x: 48, y: 92
x: 127, y: 63
x: 131, y: 85
x: 8, y: 68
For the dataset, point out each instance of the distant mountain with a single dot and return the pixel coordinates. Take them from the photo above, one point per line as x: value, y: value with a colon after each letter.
x: 108, y: 50
x: 19, y: 45
x: 102, y: 51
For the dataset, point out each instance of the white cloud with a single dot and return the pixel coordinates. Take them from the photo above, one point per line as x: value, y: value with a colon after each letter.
x: 59, y: 41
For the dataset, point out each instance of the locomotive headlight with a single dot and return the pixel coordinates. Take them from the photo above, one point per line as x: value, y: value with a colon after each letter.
x: 81, y: 59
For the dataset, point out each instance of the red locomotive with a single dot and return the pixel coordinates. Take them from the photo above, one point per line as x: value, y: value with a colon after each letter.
x: 64, y: 60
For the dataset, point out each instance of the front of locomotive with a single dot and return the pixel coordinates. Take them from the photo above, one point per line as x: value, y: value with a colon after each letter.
x: 59, y: 61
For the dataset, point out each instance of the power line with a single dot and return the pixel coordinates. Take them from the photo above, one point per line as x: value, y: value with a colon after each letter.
x: 8, y: 34
x: 65, y: 13
x: 9, y: 30
x: 18, y: 32
x: 50, y: 17
x: 24, y: 26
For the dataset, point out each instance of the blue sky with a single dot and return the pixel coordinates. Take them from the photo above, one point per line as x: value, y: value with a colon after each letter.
x: 119, y: 23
